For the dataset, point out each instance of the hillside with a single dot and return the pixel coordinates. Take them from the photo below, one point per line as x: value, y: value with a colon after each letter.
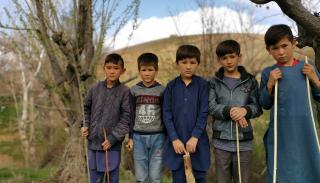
x: 255, y: 57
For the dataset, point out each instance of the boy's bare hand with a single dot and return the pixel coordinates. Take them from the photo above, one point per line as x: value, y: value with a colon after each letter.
x: 106, y: 145
x: 236, y: 113
x: 178, y: 146
x: 192, y: 144
x: 129, y: 145
x: 274, y: 75
x: 84, y: 131
x: 242, y: 122
x: 309, y: 71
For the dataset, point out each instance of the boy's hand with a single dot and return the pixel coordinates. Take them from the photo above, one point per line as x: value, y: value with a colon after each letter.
x: 192, y: 144
x: 178, y: 146
x: 275, y: 74
x: 106, y: 145
x: 309, y: 71
x: 236, y: 113
x: 242, y: 122
x: 129, y: 145
x: 84, y: 131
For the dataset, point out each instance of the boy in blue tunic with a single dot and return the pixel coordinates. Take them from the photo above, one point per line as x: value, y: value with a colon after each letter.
x: 146, y: 135
x: 233, y: 100
x: 298, y: 155
x: 106, y: 106
x: 185, y: 112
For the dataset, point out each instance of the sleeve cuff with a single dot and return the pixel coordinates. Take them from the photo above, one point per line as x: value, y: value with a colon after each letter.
x: 173, y: 137
x: 112, y: 139
x: 226, y: 112
x: 195, y: 134
x: 249, y: 112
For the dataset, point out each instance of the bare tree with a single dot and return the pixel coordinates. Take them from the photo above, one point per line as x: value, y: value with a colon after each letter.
x: 308, y: 23
x: 72, y: 33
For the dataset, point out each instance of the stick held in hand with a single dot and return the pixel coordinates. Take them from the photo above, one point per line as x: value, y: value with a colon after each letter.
x: 188, y: 168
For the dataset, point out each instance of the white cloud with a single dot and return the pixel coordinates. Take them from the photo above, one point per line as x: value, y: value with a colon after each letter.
x: 188, y: 23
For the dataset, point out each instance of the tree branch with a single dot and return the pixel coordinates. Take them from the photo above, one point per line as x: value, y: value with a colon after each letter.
x: 45, y: 39
x: 16, y: 28
x: 295, y: 10
x: 260, y: 1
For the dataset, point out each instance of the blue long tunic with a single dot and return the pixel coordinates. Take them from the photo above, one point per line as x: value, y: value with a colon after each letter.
x: 298, y: 156
x: 185, y: 112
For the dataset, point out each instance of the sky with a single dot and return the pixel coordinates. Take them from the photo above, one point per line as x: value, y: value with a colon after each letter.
x: 160, y: 19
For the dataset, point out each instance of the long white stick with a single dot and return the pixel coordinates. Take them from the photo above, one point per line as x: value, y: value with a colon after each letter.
x: 275, y: 131
x: 238, y: 153
x: 310, y: 107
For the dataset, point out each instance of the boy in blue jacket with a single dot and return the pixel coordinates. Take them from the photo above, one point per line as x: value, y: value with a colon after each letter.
x: 185, y: 112
x: 233, y: 100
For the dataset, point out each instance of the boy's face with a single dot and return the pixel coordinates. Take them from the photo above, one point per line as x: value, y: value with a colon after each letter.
x: 230, y: 62
x: 187, y: 67
x: 113, y: 71
x: 147, y: 73
x: 282, y: 52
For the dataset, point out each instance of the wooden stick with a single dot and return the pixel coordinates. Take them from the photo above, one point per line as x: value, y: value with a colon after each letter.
x: 275, y: 135
x: 188, y: 168
x: 238, y: 153
x: 310, y: 107
x: 107, y: 162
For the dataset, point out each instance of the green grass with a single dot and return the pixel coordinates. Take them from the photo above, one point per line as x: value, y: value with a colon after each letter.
x: 12, y: 148
x: 25, y: 175
x: 7, y: 115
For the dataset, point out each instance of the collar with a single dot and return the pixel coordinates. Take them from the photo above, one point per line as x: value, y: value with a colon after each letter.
x: 153, y: 85
x: 243, y: 73
x: 180, y: 79
x: 294, y: 63
x: 115, y: 84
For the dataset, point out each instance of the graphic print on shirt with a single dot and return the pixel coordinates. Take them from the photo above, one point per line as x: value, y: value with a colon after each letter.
x: 146, y: 106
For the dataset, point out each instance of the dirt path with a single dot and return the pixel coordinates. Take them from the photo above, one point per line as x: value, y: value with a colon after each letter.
x: 7, y: 161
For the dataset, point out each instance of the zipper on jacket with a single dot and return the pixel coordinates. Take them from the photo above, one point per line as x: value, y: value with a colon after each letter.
x: 231, y: 119
x: 231, y: 91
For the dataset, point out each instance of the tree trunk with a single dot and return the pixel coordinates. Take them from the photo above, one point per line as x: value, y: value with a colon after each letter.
x: 72, y: 168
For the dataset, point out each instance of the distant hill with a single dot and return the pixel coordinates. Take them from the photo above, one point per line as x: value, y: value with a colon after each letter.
x: 255, y: 57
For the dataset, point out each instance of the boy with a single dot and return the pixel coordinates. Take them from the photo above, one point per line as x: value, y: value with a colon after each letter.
x: 107, y: 106
x: 185, y: 112
x: 146, y: 135
x: 233, y: 100
x: 298, y: 156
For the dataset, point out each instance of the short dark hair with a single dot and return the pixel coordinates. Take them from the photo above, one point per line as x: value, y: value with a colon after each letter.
x: 227, y: 47
x: 277, y: 32
x: 115, y: 59
x: 148, y: 59
x: 188, y: 51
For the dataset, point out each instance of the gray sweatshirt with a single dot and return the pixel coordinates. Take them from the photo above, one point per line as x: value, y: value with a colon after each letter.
x: 146, y: 102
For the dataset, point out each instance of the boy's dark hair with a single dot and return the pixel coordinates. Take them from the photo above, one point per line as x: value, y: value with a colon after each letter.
x: 188, y: 51
x: 148, y: 59
x: 227, y: 47
x: 115, y: 59
x: 277, y: 32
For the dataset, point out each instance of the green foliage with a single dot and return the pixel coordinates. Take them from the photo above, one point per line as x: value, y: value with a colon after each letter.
x: 24, y: 175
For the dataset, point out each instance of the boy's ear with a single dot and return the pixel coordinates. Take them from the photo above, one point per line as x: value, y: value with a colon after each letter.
x: 268, y: 49
x: 123, y: 70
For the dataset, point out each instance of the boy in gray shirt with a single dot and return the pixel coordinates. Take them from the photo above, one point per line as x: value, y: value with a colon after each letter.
x: 146, y: 135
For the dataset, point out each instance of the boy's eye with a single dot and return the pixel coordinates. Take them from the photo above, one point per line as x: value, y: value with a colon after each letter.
x: 184, y: 62
x: 193, y: 62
